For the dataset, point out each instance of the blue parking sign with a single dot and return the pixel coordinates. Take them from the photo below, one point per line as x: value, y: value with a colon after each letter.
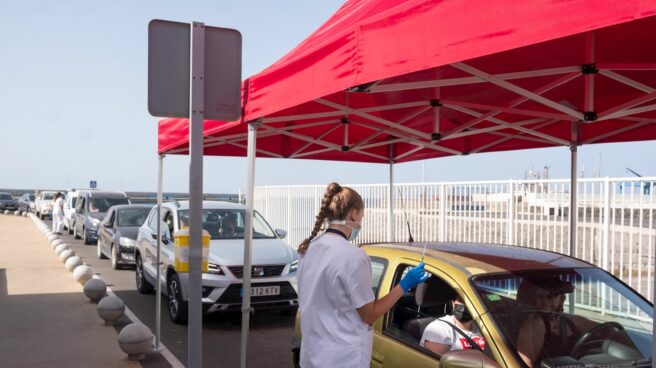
x: 93, y: 184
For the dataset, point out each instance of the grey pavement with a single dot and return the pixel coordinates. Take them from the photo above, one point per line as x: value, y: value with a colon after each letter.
x: 45, y: 319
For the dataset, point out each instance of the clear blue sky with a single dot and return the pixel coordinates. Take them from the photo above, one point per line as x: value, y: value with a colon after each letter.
x: 73, y: 99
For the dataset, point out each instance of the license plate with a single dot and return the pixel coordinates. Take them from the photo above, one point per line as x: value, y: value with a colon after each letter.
x: 265, y: 290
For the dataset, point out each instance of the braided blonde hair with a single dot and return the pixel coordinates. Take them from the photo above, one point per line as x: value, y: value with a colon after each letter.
x: 337, y: 202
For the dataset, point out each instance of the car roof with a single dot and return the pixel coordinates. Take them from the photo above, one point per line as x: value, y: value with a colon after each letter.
x: 103, y: 193
x: 184, y: 205
x: 480, y: 258
x: 123, y: 206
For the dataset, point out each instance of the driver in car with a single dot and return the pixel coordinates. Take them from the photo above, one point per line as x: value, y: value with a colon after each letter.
x: 546, y: 331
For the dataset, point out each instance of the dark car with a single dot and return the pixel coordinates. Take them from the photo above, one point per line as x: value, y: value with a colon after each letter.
x: 91, y: 208
x: 26, y: 202
x: 118, y: 231
x: 7, y: 202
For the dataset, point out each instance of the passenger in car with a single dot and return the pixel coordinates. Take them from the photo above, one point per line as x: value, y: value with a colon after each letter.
x: 442, y: 334
x: 228, y: 227
x: 336, y: 302
x: 544, y: 331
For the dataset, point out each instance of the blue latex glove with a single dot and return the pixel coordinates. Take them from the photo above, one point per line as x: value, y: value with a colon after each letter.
x: 414, y: 277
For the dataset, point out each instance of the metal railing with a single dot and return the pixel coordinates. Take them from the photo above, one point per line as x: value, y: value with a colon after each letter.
x: 616, y: 217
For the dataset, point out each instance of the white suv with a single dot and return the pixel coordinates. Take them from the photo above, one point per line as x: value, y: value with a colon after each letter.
x: 274, y: 261
x: 43, y: 203
x: 69, y: 209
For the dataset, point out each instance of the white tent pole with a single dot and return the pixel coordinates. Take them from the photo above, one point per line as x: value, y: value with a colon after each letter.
x: 390, y: 204
x: 573, y: 210
x: 158, y: 300
x: 248, y: 244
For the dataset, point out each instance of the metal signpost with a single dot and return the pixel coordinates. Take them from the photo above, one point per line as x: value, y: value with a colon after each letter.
x: 180, y: 85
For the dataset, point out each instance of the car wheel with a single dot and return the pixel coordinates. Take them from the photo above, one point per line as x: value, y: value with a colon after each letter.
x: 177, y: 305
x: 86, y: 238
x: 70, y: 230
x: 99, y: 250
x: 115, y: 264
x: 75, y: 234
x: 143, y: 286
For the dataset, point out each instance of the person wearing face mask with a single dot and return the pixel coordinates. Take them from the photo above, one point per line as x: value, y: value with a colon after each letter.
x: 452, y: 332
x: 336, y: 301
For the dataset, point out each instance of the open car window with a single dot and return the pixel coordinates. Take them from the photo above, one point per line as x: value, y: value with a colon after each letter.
x: 407, y: 320
x: 588, y: 316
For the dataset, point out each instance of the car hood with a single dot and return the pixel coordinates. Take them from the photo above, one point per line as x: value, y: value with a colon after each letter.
x: 230, y: 252
x: 128, y: 232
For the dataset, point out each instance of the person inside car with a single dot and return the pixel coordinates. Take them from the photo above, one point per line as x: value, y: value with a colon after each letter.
x: 545, y: 330
x: 229, y: 227
x: 336, y: 302
x: 452, y: 332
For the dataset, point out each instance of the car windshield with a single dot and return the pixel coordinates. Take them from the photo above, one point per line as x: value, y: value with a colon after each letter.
x: 5, y: 197
x: 31, y: 196
x: 48, y: 196
x: 132, y: 216
x: 102, y: 204
x: 569, y: 316
x: 229, y: 224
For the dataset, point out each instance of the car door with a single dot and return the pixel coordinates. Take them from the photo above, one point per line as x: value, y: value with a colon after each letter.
x: 106, y: 231
x: 79, y: 214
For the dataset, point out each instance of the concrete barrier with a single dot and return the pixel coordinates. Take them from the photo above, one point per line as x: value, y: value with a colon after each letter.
x: 66, y: 254
x: 110, y: 309
x: 95, y: 289
x: 82, y: 274
x: 72, y: 262
x: 61, y: 247
x: 135, y: 340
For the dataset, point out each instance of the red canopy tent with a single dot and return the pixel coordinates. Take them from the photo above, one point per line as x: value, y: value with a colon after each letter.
x: 391, y: 81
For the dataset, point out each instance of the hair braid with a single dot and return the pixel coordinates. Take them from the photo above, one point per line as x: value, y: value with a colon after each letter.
x: 324, y: 211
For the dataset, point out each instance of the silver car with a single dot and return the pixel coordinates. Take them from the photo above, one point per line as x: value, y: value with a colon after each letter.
x: 274, y: 261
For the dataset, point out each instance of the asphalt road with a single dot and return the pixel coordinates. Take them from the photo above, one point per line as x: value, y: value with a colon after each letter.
x: 270, y: 333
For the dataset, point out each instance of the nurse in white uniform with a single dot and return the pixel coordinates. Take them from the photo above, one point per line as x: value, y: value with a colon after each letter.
x: 336, y: 301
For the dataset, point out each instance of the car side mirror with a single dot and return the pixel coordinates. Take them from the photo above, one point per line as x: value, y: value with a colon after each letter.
x: 281, y: 233
x: 107, y: 224
x: 466, y: 359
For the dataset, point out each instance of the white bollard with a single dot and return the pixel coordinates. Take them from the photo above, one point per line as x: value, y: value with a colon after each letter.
x: 61, y: 247
x: 17, y: 213
x: 66, y: 254
x: 52, y: 237
x: 6, y: 212
x: 135, y: 340
x: 82, y: 274
x: 72, y: 263
x: 56, y: 242
x: 110, y: 309
x: 95, y: 289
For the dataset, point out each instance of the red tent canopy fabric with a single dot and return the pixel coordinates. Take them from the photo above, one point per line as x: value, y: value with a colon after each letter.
x: 395, y: 81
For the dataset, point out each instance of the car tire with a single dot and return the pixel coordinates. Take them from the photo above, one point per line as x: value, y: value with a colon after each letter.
x: 85, y: 237
x: 99, y: 250
x: 75, y: 234
x: 177, y: 305
x: 114, y: 258
x: 143, y: 286
x: 70, y: 230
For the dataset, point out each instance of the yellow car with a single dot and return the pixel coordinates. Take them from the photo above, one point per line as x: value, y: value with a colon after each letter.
x: 604, y: 321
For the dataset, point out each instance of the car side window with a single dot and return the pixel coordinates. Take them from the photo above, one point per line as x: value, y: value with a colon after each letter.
x: 152, y: 219
x: 410, y: 317
x: 378, y: 267
x: 111, y: 216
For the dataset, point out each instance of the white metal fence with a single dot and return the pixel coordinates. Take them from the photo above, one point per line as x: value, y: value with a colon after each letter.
x: 616, y: 217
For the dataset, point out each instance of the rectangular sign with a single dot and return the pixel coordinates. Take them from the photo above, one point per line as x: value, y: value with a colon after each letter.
x: 93, y: 184
x: 169, y: 71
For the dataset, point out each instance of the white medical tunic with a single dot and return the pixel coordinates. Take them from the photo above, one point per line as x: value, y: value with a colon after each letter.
x: 334, y: 279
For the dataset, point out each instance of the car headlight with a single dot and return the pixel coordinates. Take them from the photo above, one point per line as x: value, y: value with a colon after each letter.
x: 126, y: 242
x: 214, y: 269
x: 95, y: 222
x: 294, y: 266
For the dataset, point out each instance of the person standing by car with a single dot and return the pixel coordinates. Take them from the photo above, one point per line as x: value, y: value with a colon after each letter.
x: 452, y: 332
x: 58, y: 213
x: 336, y: 302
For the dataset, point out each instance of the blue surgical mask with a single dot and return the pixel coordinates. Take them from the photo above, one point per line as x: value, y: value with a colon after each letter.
x: 355, y: 230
